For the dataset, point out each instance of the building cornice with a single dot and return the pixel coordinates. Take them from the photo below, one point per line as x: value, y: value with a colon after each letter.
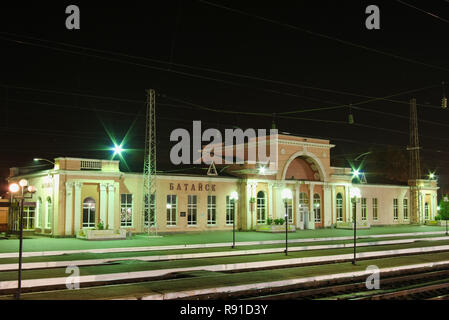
x: 306, y: 144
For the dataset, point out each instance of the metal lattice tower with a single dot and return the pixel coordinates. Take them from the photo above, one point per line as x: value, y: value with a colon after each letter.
x: 414, y: 164
x: 149, y: 165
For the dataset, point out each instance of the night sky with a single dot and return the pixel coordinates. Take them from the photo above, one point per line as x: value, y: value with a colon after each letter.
x: 62, y: 91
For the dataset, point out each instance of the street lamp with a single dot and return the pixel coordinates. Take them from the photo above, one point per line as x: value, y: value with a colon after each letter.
x: 355, y: 197
x: 234, y: 197
x: 24, y: 188
x: 286, y: 196
x: 41, y: 159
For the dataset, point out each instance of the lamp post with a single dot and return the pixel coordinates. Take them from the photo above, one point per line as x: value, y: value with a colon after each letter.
x: 41, y: 159
x: 286, y: 196
x: 355, y: 196
x: 14, y: 188
x: 234, y: 197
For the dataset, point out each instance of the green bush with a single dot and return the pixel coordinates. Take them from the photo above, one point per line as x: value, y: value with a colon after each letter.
x: 269, y: 221
x: 100, y: 225
x: 279, y: 222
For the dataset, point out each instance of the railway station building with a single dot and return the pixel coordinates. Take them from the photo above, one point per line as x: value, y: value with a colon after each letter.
x: 79, y: 193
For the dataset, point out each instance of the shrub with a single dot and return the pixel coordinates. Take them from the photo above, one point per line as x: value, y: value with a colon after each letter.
x: 269, y: 221
x: 100, y: 225
x: 279, y: 221
x: 438, y: 217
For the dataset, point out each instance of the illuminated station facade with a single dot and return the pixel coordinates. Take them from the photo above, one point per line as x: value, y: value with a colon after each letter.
x: 79, y: 193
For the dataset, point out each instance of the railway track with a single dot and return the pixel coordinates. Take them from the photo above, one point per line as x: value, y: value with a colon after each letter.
x: 413, y: 284
x: 419, y: 286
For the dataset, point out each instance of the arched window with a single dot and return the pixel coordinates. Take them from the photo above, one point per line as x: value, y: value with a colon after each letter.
x: 317, y: 207
x: 303, y: 204
x: 339, y: 207
x: 261, y: 207
x: 39, y: 213
x: 49, y: 213
x: 88, y: 213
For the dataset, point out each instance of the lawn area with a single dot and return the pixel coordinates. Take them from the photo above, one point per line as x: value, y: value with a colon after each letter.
x: 52, y: 244
x: 200, y: 280
x: 134, y: 265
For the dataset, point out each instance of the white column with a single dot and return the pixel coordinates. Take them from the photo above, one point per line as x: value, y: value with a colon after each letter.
x: 311, y: 223
x: 111, y: 196
x: 326, y: 210
x: 334, y: 206
x: 68, y: 208
x: 103, y: 202
x: 348, y: 205
x: 296, y: 208
x: 270, y: 201
x: 78, y: 186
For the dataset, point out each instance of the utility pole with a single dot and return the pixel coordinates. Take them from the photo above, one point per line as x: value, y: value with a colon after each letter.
x: 414, y: 165
x: 149, y: 165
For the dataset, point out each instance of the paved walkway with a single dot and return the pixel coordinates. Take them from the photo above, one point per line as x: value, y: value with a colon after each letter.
x: 46, y: 282
x: 207, y: 245
x: 92, y: 262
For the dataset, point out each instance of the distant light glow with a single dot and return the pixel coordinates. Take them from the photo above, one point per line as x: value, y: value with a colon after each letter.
x: 431, y: 176
x: 287, y: 194
x: 234, y: 195
x: 14, y: 187
x: 355, y: 193
x: 438, y: 208
x: 168, y: 206
x: 23, y: 182
x: 262, y: 170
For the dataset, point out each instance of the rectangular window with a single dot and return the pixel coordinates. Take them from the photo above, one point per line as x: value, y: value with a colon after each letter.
x: 28, y: 218
x: 171, y: 209
x: 405, y: 202
x: 375, y: 213
x: 191, y: 210
x: 230, y: 210
x: 354, y: 210
x: 150, y: 210
x: 211, y: 210
x: 290, y: 211
x: 363, y: 209
x: 261, y: 208
x: 339, y: 207
x: 426, y: 211
x: 49, y: 214
x: 395, y: 210
x: 126, y: 210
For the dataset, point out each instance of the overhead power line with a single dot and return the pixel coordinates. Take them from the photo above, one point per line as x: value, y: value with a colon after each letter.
x: 423, y: 11
x: 324, y: 36
x: 189, y: 74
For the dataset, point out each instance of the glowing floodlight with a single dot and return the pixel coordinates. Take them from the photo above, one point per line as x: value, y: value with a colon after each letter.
x: 431, y: 176
x: 118, y: 150
x: 168, y: 206
x: 262, y: 170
